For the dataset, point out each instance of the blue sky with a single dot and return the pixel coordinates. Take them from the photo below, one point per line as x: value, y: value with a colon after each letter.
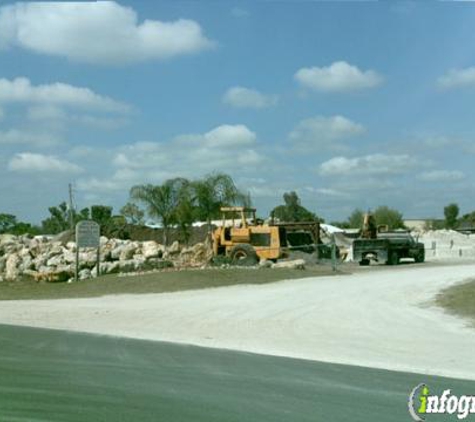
x: 351, y: 104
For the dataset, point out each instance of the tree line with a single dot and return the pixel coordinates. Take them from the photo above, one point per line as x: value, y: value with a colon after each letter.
x: 179, y: 202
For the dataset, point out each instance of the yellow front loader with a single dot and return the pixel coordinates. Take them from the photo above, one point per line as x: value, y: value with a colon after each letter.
x: 245, y: 239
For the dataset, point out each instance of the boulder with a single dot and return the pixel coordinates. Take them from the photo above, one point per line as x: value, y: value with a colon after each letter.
x: 109, y: 267
x: 296, y: 264
x: 84, y: 274
x: 152, y: 249
x: 128, y: 252
x: 55, y: 261
x: 7, y: 239
x: 11, y: 267
x: 64, y: 237
x: 174, y: 248
x: 265, y: 263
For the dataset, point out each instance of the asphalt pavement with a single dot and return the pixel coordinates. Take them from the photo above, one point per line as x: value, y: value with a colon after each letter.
x: 52, y: 375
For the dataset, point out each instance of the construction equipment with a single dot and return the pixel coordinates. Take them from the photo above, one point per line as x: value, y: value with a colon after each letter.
x: 245, y: 239
x: 379, y: 244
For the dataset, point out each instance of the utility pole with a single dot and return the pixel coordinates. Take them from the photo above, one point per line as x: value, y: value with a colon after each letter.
x: 71, y: 209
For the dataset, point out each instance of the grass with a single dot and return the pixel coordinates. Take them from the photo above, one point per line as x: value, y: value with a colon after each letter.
x: 157, y: 282
x: 459, y: 300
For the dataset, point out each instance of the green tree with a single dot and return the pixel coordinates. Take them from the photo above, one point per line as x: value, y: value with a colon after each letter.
x: 355, y: 220
x: 132, y: 213
x: 101, y: 214
x: 161, y: 201
x: 292, y: 210
x: 185, y: 212
x: 213, y: 192
x: 451, y: 213
x: 7, y: 223
x: 59, y: 219
x: 468, y: 219
x: 10, y: 224
x: 388, y: 216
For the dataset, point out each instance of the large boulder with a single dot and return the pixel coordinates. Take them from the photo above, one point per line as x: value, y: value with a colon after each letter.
x: 11, y: 267
x: 7, y: 239
x: 295, y: 264
x: 55, y: 261
x: 128, y: 252
x: 152, y: 249
x: 174, y: 248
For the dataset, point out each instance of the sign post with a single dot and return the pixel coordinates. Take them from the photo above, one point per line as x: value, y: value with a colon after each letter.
x: 88, y: 235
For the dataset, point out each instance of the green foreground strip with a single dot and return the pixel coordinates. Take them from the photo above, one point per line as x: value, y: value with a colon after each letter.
x: 158, y: 282
x: 50, y: 376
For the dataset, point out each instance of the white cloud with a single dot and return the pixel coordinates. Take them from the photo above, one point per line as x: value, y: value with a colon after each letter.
x: 375, y: 164
x: 229, y: 136
x: 228, y: 148
x: 21, y: 137
x: 57, y: 116
x: 20, y: 90
x: 241, y: 97
x: 442, y: 176
x: 30, y: 162
x: 338, y: 77
x: 320, y: 131
x: 457, y: 78
x: 101, y: 32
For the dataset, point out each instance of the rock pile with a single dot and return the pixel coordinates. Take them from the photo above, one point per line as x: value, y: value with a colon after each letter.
x: 55, y: 260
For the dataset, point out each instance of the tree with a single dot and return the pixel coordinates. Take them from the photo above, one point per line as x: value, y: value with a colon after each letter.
x: 185, y: 212
x: 213, y: 192
x: 355, y: 220
x: 132, y: 213
x: 293, y: 210
x: 161, y: 201
x: 388, y: 216
x: 7, y: 223
x: 468, y: 220
x: 58, y: 221
x: 10, y: 224
x: 101, y: 214
x: 451, y: 213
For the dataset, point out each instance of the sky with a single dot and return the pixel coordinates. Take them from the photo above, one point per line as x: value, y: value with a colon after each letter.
x: 351, y: 104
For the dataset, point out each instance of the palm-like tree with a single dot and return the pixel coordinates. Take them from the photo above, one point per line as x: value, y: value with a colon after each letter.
x: 161, y: 201
x: 212, y: 192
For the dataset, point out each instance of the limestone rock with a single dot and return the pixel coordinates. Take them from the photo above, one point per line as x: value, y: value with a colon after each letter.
x: 296, y: 264
x: 11, y: 267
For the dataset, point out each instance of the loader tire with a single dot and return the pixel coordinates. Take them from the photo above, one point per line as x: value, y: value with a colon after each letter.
x: 243, y: 254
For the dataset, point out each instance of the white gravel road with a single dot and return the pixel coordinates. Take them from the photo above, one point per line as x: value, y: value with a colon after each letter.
x: 374, y: 318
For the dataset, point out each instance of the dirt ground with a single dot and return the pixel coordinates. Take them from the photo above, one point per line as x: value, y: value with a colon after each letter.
x: 378, y: 317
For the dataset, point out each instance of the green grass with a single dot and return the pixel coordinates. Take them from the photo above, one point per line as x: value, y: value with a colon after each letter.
x: 158, y: 282
x: 459, y: 300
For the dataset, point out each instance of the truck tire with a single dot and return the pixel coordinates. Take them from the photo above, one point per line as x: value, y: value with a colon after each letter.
x: 393, y: 258
x: 364, y: 262
x: 420, y: 257
x: 243, y: 254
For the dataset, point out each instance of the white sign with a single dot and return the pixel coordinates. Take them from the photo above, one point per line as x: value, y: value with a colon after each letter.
x: 88, y: 234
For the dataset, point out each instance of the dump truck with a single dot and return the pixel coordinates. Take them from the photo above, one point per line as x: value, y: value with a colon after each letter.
x: 388, y: 247
x: 245, y: 239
